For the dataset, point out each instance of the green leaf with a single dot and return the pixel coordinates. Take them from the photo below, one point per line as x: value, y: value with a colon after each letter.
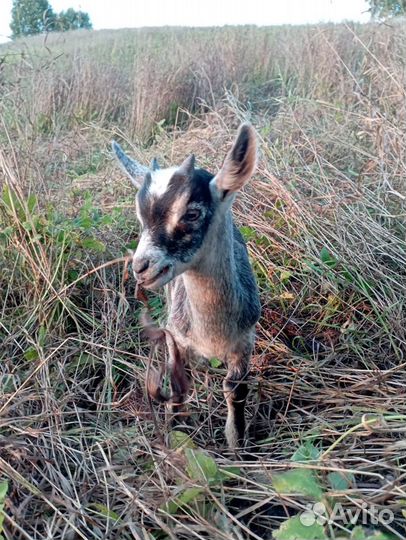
x: 346, y: 274
x: 188, y: 496
x: 31, y: 202
x: 200, y: 466
x: 306, y: 452
x: 229, y: 473
x: 72, y: 275
x: 358, y: 533
x: 106, y: 220
x: 13, y: 204
x: 380, y: 535
x: 315, y: 267
x: 9, y: 198
x: 340, y: 481
x: 7, y: 231
x: 248, y: 233
x: 215, y: 363
x: 301, y: 481
x: 93, y: 244
x: 132, y: 244
x: 104, y: 511
x: 27, y: 226
x: 285, y: 276
x: 294, y: 529
x: 328, y: 259
x: 31, y: 354
x: 3, y: 491
x: 42, y: 334
x: 85, y: 222
x: 363, y: 284
x: 178, y: 439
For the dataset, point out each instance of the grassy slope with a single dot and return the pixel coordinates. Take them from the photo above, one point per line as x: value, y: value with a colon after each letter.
x: 324, y: 218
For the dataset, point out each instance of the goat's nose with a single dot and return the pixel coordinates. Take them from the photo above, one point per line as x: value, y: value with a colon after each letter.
x: 140, y: 265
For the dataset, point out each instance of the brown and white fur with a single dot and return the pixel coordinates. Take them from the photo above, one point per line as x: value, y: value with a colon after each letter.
x: 190, y: 244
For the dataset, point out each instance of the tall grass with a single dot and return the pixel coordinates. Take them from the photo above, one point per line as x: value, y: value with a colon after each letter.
x: 324, y: 219
x: 133, y: 79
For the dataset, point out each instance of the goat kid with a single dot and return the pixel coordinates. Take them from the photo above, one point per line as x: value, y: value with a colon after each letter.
x: 190, y: 244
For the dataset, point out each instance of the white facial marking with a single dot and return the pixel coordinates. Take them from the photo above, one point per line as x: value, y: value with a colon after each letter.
x: 145, y: 246
x: 160, y: 180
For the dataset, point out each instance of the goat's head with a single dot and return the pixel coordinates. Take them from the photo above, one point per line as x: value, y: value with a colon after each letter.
x: 177, y: 206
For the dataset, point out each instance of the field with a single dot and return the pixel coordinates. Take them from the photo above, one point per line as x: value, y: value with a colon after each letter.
x: 82, y: 453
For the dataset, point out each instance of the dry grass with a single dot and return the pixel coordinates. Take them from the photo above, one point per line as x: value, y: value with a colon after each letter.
x: 325, y: 222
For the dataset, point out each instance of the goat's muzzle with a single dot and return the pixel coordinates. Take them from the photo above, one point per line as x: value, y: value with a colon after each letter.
x: 153, y: 275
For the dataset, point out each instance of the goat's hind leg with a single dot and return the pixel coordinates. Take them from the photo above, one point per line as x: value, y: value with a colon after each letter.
x: 236, y: 391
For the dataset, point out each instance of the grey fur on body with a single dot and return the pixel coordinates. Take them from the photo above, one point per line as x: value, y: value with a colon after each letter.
x: 191, y: 246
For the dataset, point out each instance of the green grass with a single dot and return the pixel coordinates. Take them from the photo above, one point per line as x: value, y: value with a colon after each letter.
x: 81, y: 455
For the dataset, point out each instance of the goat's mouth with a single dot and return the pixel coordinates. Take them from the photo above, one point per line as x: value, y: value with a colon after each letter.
x: 159, y: 279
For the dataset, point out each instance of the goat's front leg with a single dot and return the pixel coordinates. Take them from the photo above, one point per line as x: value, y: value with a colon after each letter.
x: 178, y: 377
x: 176, y: 362
x: 236, y: 391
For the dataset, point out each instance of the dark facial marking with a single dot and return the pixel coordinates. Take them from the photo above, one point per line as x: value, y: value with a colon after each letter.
x: 188, y: 235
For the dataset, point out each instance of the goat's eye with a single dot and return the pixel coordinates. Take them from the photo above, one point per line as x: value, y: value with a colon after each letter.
x: 191, y: 215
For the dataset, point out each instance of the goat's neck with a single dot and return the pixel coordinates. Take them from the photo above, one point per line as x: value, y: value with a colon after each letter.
x: 212, y: 281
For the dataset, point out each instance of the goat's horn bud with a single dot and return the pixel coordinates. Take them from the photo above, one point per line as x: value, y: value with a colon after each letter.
x: 188, y: 166
x: 154, y: 165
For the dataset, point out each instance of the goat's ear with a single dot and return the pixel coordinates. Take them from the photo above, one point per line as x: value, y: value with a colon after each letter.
x: 240, y: 162
x: 132, y: 168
